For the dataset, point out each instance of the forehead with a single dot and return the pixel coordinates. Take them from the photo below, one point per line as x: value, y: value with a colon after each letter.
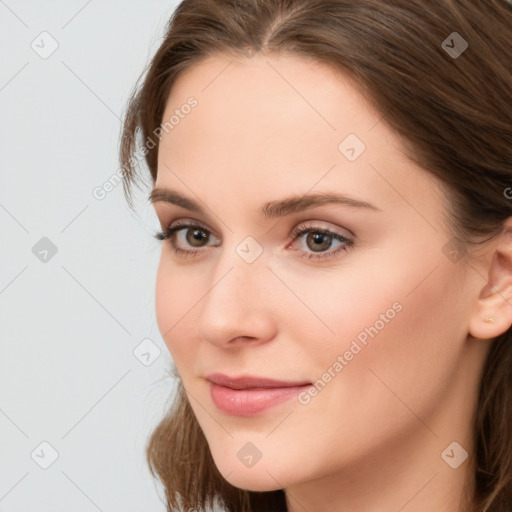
x: 274, y: 90
x: 281, y: 121
x: 273, y: 111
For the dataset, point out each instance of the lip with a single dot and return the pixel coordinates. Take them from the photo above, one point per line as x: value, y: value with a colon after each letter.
x: 251, y: 381
x: 249, y: 395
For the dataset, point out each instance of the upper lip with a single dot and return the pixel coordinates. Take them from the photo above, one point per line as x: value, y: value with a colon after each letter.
x: 250, y: 381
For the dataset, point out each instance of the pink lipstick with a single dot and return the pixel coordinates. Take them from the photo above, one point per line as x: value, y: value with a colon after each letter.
x: 249, y: 395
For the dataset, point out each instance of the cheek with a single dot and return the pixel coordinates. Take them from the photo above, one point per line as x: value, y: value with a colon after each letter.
x: 176, y: 294
x: 399, y: 338
x: 406, y: 364
x: 166, y: 293
x: 345, y: 304
x: 394, y: 293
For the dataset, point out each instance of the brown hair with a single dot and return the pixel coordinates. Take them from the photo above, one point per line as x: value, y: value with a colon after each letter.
x: 454, y: 114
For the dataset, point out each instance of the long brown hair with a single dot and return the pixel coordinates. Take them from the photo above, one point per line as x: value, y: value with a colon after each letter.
x: 454, y: 112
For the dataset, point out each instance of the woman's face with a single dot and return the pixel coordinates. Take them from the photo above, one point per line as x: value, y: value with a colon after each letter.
x: 378, y: 324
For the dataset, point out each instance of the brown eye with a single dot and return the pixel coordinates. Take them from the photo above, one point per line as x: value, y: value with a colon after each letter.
x: 318, y: 241
x: 314, y: 241
x: 186, y: 239
x: 195, y: 236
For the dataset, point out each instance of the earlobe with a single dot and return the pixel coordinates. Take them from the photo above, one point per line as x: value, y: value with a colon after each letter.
x: 492, y: 314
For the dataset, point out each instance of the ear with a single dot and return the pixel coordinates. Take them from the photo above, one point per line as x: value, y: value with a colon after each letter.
x: 495, y: 298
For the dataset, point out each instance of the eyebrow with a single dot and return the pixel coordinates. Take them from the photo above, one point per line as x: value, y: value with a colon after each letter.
x: 278, y: 208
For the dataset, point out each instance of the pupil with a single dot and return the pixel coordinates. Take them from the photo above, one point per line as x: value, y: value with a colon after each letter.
x: 319, y: 242
x: 197, y: 235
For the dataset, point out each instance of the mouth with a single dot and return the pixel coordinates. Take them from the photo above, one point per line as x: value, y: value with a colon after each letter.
x: 250, y: 395
x: 249, y: 382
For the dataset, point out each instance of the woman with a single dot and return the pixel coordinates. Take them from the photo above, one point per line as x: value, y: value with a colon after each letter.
x: 333, y: 180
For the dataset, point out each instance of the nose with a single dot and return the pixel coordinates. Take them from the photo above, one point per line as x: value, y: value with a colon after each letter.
x: 236, y: 309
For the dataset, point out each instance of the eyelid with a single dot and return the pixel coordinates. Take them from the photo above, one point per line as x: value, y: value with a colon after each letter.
x: 188, y: 223
x: 323, y: 225
x: 347, y: 242
x: 315, y: 227
x: 312, y: 224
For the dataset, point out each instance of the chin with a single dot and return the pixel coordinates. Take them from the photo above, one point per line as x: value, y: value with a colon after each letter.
x: 259, y: 478
x: 256, y: 482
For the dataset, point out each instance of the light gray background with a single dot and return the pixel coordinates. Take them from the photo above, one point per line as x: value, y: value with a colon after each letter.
x: 70, y: 325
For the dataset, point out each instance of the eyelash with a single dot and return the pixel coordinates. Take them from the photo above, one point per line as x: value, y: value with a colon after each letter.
x: 168, y: 234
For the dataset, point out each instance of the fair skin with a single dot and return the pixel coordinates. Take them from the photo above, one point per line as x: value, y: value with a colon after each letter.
x: 266, y: 128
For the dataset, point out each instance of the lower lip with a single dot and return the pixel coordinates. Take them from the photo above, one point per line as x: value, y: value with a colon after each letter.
x: 249, y: 402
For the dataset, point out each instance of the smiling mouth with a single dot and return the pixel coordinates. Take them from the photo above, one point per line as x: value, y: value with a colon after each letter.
x: 249, y: 396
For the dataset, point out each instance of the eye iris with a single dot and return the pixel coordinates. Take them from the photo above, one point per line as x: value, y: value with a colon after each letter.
x: 320, y: 241
x: 318, y: 238
x: 198, y: 235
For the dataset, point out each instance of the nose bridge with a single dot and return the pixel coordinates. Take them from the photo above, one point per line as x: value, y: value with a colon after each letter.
x: 241, y: 267
x: 235, y: 304
x: 236, y: 282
